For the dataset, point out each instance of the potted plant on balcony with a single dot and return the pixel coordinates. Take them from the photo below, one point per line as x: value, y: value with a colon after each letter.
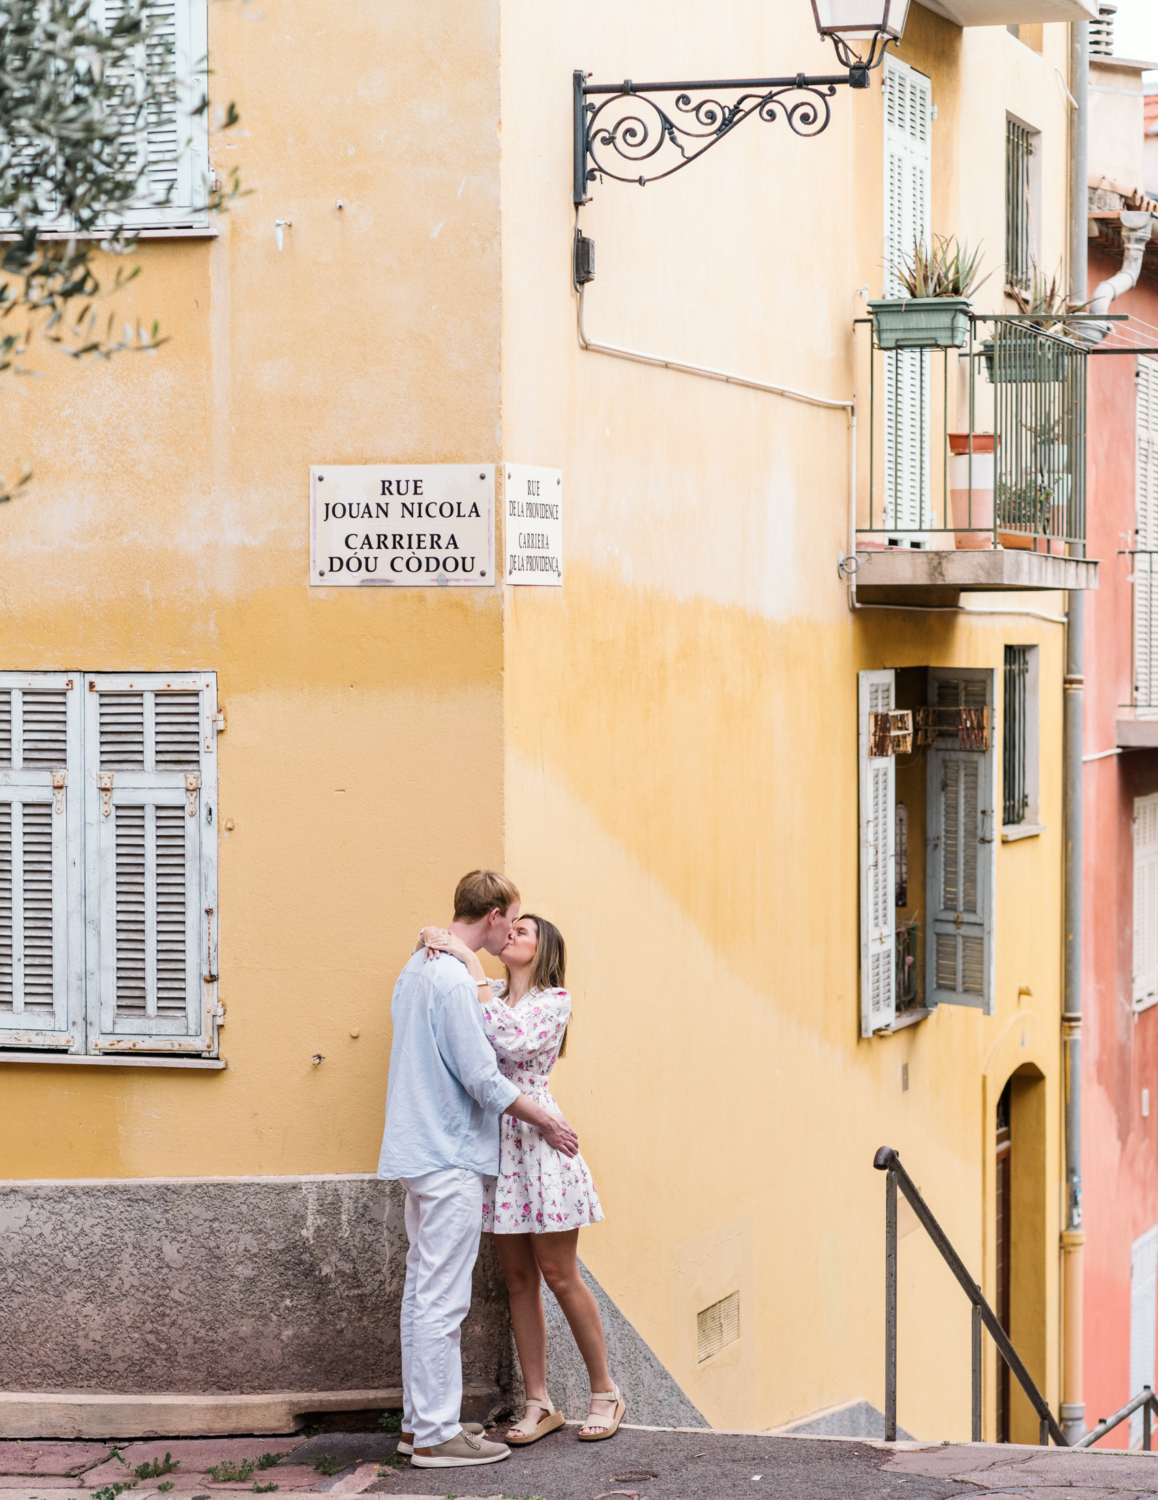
x: 935, y: 312
x: 1024, y: 357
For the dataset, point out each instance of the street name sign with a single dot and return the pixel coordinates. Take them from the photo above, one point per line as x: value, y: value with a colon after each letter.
x: 533, y: 524
x: 402, y: 525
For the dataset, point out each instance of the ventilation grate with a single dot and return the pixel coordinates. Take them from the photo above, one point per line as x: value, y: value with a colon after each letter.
x: 717, y: 1327
x: 171, y: 997
x: 44, y: 726
x: 178, y: 726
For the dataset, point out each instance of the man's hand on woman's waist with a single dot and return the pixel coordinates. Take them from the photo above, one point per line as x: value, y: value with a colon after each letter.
x: 552, y: 1127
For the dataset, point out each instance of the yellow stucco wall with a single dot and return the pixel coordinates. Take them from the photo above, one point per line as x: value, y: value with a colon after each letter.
x: 663, y: 752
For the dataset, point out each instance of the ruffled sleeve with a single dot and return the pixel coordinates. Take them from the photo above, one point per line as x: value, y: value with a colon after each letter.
x: 535, y: 1025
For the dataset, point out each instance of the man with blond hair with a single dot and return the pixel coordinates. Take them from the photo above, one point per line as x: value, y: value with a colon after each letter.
x: 443, y: 1102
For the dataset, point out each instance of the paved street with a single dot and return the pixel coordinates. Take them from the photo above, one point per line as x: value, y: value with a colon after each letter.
x: 646, y: 1463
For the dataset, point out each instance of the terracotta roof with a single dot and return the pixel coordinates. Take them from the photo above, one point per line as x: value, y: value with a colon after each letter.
x: 1136, y: 199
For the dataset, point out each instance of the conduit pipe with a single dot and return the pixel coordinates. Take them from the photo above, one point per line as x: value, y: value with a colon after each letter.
x: 708, y: 373
x: 706, y: 370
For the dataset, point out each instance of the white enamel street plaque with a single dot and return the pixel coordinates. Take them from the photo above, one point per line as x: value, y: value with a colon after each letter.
x: 533, y: 526
x: 402, y: 525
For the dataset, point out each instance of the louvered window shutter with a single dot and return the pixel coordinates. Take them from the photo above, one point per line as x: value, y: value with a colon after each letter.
x: 41, y: 874
x: 1146, y: 538
x: 908, y: 159
x: 878, y: 979
x: 151, y: 850
x: 172, y: 138
x: 1145, y: 986
x: 961, y: 818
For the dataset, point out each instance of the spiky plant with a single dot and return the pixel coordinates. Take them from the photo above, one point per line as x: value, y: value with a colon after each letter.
x: 945, y: 268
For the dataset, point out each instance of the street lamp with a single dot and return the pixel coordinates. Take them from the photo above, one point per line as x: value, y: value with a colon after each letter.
x: 878, y: 22
x: 630, y: 137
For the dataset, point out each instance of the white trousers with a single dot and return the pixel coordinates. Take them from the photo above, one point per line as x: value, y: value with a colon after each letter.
x: 443, y: 1222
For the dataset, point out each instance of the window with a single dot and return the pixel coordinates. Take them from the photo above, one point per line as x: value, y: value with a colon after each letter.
x: 1145, y: 569
x: 108, y: 862
x: 1145, y: 966
x: 1019, y: 743
x: 1020, y: 186
x: 959, y: 955
x: 908, y: 403
x: 933, y: 850
x: 173, y: 142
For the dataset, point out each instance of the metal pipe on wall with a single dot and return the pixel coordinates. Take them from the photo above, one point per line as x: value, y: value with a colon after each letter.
x: 1073, y: 1410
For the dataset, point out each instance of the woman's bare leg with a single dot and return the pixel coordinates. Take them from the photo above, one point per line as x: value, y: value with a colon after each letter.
x: 528, y: 1324
x: 557, y: 1256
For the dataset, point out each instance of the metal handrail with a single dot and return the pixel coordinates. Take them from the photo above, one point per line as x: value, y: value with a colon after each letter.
x: 1146, y: 1400
x: 887, y: 1160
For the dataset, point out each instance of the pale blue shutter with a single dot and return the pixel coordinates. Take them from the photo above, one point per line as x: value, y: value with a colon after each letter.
x: 41, y: 869
x: 1145, y: 693
x: 1145, y: 902
x: 908, y: 163
x: 151, y: 850
x: 878, y: 979
x: 960, y: 869
x: 172, y: 138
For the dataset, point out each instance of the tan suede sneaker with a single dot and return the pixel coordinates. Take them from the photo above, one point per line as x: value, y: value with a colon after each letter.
x: 461, y: 1452
x: 406, y: 1439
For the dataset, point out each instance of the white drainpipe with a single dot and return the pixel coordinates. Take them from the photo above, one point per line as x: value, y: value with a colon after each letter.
x: 1135, y: 238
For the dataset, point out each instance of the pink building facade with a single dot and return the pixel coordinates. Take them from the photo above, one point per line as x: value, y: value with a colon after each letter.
x: 1120, y: 933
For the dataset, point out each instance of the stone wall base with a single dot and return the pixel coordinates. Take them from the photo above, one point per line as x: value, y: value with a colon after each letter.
x: 204, y: 1287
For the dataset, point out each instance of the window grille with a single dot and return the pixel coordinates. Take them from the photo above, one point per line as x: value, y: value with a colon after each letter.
x: 717, y: 1327
x: 908, y: 976
x: 1018, y: 219
x: 1016, y: 779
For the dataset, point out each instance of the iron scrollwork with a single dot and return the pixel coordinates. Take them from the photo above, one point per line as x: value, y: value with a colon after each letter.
x: 629, y: 128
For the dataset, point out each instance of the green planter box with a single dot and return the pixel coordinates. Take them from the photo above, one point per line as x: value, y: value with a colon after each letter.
x: 921, y: 323
x: 1027, y: 361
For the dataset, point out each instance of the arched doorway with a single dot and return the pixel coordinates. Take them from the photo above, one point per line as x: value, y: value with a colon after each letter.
x: 1003, y: 1256
x: 1019, y: 1217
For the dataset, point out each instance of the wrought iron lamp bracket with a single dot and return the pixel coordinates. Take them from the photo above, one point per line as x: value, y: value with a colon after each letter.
x: 628, y: 128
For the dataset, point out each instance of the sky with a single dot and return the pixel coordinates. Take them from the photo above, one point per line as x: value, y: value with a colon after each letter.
x: 1136, y: 32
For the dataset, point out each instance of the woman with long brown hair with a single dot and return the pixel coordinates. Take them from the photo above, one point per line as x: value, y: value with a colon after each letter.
x: 540, y: 1199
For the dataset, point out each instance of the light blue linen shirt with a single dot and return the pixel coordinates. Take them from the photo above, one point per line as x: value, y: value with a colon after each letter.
x: 445, y: 1094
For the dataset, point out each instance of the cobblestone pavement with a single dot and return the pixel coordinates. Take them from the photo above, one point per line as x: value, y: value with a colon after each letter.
x: 639, y: 1464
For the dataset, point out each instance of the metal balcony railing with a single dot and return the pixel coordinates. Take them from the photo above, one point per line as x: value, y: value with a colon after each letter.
x: 978, y: 447
x: 887, y: 1160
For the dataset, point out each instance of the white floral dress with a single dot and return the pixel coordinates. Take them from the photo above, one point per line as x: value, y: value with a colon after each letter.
x: 538, y: 1190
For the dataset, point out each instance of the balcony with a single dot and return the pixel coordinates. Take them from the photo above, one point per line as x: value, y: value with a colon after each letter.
x: 976, y: 465
x: 1012, y: 12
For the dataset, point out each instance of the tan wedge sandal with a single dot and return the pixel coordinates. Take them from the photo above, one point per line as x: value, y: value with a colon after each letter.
x: 529, y: 1431
x: 608, y: 1426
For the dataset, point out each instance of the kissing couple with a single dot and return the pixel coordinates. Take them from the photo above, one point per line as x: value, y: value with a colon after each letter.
x: 479, y: 1143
